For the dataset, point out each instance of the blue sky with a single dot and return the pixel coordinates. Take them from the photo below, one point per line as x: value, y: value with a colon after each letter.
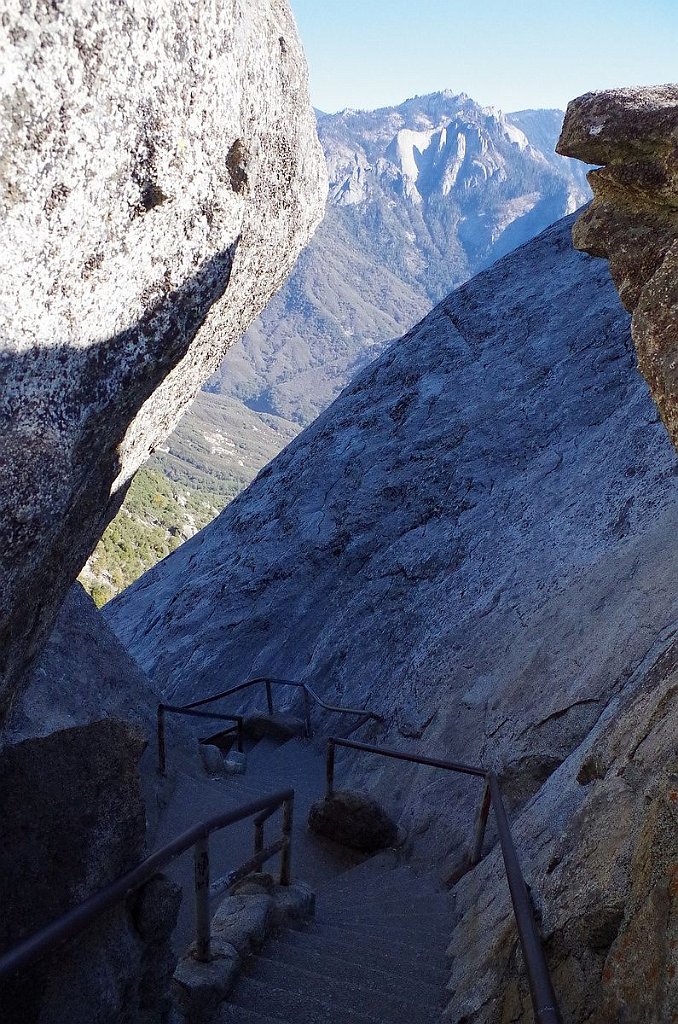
x: 508, y: 53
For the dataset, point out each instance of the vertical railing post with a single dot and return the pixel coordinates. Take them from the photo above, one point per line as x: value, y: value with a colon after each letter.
x: 476, y: 850
x: 162, y: 766
x: 329, y: 768
x: 307, y: 714
x: 269, y: 696
x: 286, y: 854
x: 201, y: 858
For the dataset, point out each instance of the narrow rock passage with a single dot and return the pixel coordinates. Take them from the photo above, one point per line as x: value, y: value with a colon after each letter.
x: 375, y: 953
x: 196, y: 796
x: 376, y: 948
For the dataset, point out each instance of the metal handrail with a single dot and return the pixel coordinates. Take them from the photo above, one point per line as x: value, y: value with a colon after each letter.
x: 269, y: 682
x: 541, y: 988
x: 190, y: 711
x: 76, y: 920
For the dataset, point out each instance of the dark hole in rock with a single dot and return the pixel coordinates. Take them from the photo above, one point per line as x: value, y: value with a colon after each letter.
x: 152, y: 196
x: 602, y: 927
x: 236, y: 164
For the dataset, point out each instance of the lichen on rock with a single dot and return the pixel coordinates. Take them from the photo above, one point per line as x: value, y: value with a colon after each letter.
x: 159, y: 174
x: 633, y: 219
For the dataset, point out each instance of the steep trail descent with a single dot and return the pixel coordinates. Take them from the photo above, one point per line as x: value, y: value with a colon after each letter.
x: 374, y: 953
x: 197, y: 796
x: 356, y: 920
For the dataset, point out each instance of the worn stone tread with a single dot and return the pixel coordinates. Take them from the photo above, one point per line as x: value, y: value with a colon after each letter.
x: 342, y: 984
x: 418, y: 944
x: 301, y: 1006
x: 404, y: 978
x: 392, y: 912
x: 352, y: 949
x: 406, y: 933
x: 231, y: 1014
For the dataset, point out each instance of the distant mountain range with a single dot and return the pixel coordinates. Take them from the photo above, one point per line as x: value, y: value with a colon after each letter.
x: 422, y: 196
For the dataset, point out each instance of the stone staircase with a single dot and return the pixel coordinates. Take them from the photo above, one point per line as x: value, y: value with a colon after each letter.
x: 375, y: 951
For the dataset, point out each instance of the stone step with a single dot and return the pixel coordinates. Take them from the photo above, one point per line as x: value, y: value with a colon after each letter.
x: 391, y: 893
x: 392, y: 905
x: 406, y: 980
x: 383, y: 866
x: 297, y: 1007
x: 337, y: 983
x: 415, y: 931
x: 417, y: 945
x: 294, y: 1003
x: 397, y: 911
x: 280, y: 726
x: 230, y: 1014
x: 398, y: 888
x: 359, y: 950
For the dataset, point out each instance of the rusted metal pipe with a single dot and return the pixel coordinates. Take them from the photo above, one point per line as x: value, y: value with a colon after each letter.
x: 329, y: 768
x: 541, y: 989
x: 162, y: 764
x: 76, y: 920
x: 400, y: 755
x: 286, y: 856
x: 258, y: 836
x: 307, y: 713
x: 272, y: 681
x: 201, y: 861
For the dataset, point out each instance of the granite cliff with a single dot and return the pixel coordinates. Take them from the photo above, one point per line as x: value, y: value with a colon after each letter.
x: 160, y: 174
x: 422, y: 196
x: 599, y: 839
x: 451, y: 542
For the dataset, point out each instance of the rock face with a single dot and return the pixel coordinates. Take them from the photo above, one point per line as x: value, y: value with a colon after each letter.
x: 160, y: 173
x: 422, y: 196
x: 633, y: 220
x: 598, y: 842
x: 450, y: 543
x: 54, y: 856
x: 599, y: 849
x: 83, y: 674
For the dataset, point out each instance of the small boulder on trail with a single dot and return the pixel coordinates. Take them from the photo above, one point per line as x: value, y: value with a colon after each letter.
x: 355, y: 820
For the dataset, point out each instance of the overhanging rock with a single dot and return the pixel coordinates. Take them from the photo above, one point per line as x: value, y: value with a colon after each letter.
x: 633, y: 220
x: 160, y: 173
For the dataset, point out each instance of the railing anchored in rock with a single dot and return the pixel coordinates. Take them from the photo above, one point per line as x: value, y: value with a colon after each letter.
x: 79, y: 918
x: 237, y: 730
x: 541, y: 989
